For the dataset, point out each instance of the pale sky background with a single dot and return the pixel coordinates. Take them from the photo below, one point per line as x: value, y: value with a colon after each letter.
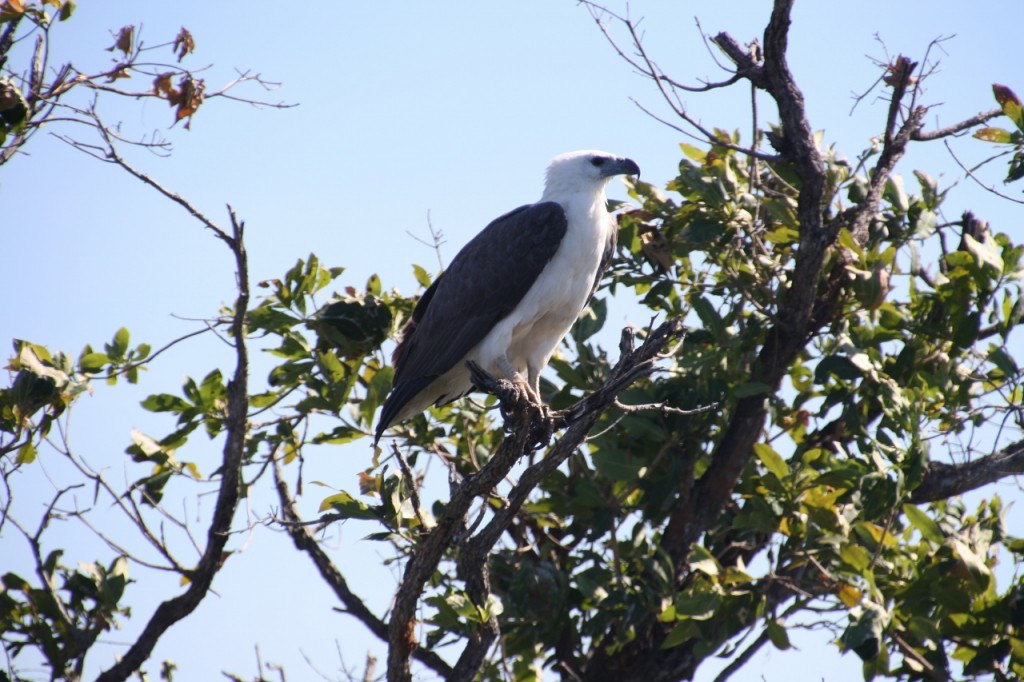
x: 446, y: 109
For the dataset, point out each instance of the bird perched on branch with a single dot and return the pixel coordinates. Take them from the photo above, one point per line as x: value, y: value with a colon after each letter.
x: 512, y: 293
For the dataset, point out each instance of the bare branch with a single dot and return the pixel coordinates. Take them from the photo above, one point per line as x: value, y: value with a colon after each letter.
x: 113, y: 156
x: 743, y: 658
x: 956, y: 128
x: 173, y: 610
x: 706, y: 135
x: 970, y: 173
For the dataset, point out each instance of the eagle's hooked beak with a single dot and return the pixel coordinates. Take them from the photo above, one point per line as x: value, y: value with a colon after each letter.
x: 620, y: 166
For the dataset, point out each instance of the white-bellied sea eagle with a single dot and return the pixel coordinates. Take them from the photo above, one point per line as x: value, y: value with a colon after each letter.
x: 512, y: 293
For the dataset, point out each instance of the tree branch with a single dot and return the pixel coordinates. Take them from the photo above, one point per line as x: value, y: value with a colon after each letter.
x: 304, y: 541
x: 966, y: 124
x: 787, y: 337
x: 942, y: 480
x: 527, y: 426
x: 172, y: 610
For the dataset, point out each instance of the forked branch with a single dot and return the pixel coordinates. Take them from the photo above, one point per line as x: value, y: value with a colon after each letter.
x: 527, y: 425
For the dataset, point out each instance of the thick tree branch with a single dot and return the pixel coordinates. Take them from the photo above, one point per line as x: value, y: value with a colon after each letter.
x: 796, y: 319
x: 789, y: 334
x: 942, y: 480
x: 747, y: 66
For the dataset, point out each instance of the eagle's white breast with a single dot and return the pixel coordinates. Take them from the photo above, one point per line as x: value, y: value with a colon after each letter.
x: 530, y: 334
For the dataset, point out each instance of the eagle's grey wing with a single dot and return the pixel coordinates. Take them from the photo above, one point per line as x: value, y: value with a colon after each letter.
x: 483, y: 284
x: 606, y: 260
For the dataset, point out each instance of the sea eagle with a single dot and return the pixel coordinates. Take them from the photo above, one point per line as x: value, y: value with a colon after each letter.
x: 512, y: 293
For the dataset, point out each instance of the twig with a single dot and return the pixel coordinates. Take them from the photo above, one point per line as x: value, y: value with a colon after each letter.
x: 744, y: 656
x: 410, y: 480
x: 956, y: 128
x: 911, y: 653
x: 662, y: 407
x: 981, y: 184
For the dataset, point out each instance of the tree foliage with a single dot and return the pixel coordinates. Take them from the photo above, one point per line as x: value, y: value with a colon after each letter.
x: 788, y: 449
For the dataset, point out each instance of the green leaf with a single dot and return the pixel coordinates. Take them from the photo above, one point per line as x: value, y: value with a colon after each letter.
x: 616, y: 464
x: 421, y: 275
x: 999, y: 357
x: 145, y: 448
x: 704, y: 561
x: 1016, y: 171
x: 590, y: 320
x: 13, y: 107
x: 987, y: 253
x: 27, y: 453
x: 771, y: 460
x: 165, y: 402
x: 270, y: 318
x: 682, y: 632
x: 355, y: 327
x: 348, y: 507
x: 838, y: 366
x: 856, y: 556
x: 119, y: 346
x: 66, y: 10
x: 895, y: 194
x: 693, y: 153
x: 373, y: 286
x: 261, y: 400
x: 924, y: 524
x: 1010, y: 104
x: 777, y: 634
x: 698, y: 605
x: 997, y: 135
x: 782, y: 235
x: 339, y: 436
x: 465, y: 607
x: 709, y: 316
x: 864, y: 634
x: 929, y: 189
x: 193, y: 470
x: 91, y: 363
x: 974, y: 563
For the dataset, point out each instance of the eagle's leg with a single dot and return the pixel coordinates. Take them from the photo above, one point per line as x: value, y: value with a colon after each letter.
x: 517, y: 378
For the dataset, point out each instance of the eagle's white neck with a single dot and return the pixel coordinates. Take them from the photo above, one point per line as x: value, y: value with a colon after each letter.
x: 565, y: 191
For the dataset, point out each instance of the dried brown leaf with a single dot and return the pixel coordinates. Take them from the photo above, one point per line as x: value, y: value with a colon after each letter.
x: 184, y: 44
x: 899, y: 71
x: 188, y: 99
x: 163, y: 87
x: 11, y: 9
x: 656, y: 248
x: 125, y: 39
x: 123, y: 72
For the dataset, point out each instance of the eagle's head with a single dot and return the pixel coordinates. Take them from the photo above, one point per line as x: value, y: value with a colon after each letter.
x: 586, y: 171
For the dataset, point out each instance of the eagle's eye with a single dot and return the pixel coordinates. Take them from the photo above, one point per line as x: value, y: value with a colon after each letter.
x: 597, y: 161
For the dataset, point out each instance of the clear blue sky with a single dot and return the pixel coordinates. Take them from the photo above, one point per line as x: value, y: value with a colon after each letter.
x: 406, y: 110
